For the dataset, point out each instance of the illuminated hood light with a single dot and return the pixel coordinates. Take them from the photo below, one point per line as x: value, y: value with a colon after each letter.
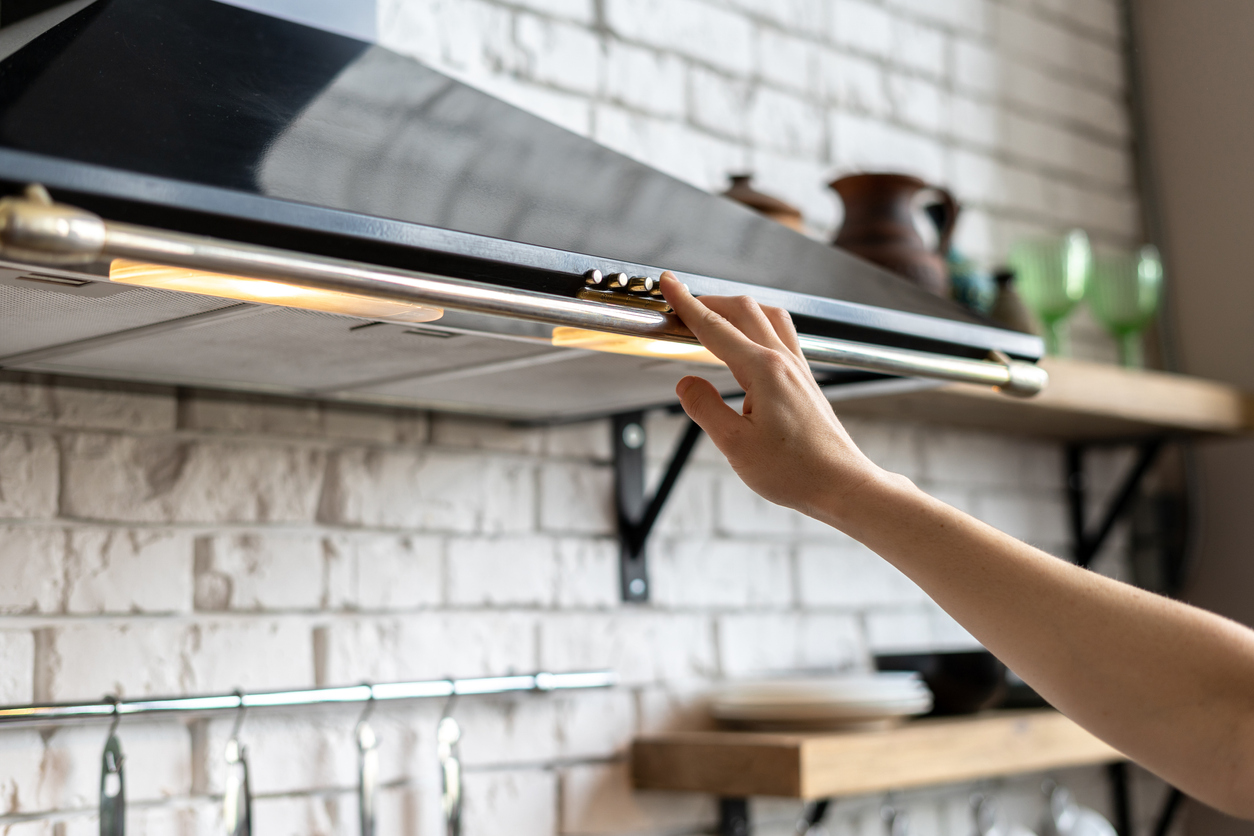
x: 266, y: 292
x: 635, y: 346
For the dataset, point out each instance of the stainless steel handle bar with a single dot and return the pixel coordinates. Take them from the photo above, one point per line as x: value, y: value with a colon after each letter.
x: 66, y: 713
x: 35, y: 228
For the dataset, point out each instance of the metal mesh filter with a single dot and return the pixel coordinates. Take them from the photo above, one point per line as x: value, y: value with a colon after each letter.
x: 590, y: 383
x: 286, y: 350
x: 33, y: 318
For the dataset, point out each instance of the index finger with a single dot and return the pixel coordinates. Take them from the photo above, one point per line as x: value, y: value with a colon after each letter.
x: 724, y: 340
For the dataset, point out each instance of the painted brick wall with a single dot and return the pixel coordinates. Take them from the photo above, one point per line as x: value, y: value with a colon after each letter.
x: 156, y: 541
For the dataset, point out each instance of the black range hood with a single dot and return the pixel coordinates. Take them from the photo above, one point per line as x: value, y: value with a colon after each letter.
x: 206, y: 137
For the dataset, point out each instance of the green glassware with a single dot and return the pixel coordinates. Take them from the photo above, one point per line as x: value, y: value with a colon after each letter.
x: 1124, y: 294
x: 1051, y: 274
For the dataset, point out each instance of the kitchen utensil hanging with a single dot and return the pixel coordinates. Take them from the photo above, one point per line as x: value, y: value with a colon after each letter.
x: 367, y: 769
x: 448, y: 738
x: 237, y: 800
x: 112, y: 782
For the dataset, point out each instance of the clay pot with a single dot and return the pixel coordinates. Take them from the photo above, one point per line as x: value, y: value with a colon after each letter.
x: 879, y: 226
x: 772, y: 207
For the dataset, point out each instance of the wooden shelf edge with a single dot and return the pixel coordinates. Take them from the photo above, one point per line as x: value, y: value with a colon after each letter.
x: 1083, y: 400
x: 822, y: 765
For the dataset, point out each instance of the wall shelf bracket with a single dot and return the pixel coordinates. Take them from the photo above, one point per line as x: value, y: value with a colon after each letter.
x: 636, y: 514
x: 1086, y: 542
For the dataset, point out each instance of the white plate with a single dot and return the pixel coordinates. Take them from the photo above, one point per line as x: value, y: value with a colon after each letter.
x: 824, y: 703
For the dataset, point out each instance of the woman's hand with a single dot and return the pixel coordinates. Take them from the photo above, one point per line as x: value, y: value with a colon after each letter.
x: 786, y: 444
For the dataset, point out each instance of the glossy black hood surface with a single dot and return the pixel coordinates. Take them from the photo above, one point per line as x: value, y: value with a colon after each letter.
x: 195, y: 93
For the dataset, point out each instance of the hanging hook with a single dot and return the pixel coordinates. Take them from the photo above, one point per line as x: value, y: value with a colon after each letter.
x: 448, y: 737
x: 112, y: 780
x: 367, y: 767
x: 237, y: 799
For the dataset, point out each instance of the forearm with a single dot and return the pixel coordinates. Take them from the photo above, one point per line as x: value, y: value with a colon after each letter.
x: 1169, y: 685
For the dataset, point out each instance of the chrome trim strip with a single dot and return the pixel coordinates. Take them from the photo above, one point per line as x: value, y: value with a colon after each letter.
x: 35, y: 228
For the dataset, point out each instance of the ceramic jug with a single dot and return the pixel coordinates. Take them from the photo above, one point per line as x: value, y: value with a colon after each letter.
x: 879, y: 226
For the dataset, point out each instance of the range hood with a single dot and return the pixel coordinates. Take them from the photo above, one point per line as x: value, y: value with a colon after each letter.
x: 232, y: 200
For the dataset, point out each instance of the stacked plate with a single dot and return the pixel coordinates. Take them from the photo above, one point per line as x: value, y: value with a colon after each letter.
x: 831, y: 702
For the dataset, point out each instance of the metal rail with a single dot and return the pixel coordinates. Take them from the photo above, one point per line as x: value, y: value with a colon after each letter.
x: 58, y: 714
x: 37, y: 229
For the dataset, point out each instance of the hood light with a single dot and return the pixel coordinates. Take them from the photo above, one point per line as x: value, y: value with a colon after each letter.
x: 635, y: 346
x: 267, y: 292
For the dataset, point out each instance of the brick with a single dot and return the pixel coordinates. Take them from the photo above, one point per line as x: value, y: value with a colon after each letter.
x: 641, y: 647
x: 861, y: 26
x: 691, y: 573
x: 921, y: 48
x: 977, y: 123
x: 425, y: 646
x: 557, y: 53
x: 469, y: 38
x: 742, y: 512
x: 259, y: 571
x: 1101, y: 18
x: 521, y: 802
x: 599, y: 799
x: 291, y: 752
x: 17, y: 667
x: 32, y: 576
x: 978, y: 67
x: 778, y: 643
x: 808, y: 16
x: 21, y: 752
x: 129, y: 660
x: 371, y: 424
x: 854, y: 83
x: 688, y: 155
x: 1076, y: 103
x: 718, y: 103
x: 1036, y: 518
x: 786, y: 123
x: 576, y: 498
x: 157, y: 764
x: 382, y: 572
x: 430, y: 490
x: 483, y: 434
x: 501, y: 571
x: 113, y: 407
x: 968, y: 15
x: 973, y: 459
x: 705, y: 32
x: 248, y: 414
x: 584, y: 440
x: 507, y: 730
x: 1020, y: 32
x: 587, y: 573
x: 171, y: 479
x: 787, y: 61
x: 293, y: 816
x: 644, y: 79
x: 801, y: 182
x: 580, y: 10
x: 861, y: 143
x: 128, y: 570
x: 919, y: 103
x: 689, y: 511
x: 28, y: 474
x: 253, y: 654
x: 918, y: 629
x: 673, y: 707
x: 850, y: 577
x: 891, y: 445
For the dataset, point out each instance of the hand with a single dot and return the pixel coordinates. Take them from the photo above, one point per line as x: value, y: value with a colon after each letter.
x: 786, y: 444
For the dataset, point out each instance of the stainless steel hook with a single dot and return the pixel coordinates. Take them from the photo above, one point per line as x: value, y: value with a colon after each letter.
x: 367, y: 768
x: 237, y: 799
x: 112, y: 781
x: 448, y: 737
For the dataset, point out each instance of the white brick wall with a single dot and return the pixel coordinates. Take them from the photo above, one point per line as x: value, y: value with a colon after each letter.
x: 154, y: 542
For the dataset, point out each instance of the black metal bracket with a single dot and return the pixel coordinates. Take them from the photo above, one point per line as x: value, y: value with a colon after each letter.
x: 1085, y: 544
x: 636, y: 515
x: 733, y: 817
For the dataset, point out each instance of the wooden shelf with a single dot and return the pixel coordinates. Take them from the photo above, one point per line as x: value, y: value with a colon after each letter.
x: 1084, y: 401
x: 825, y: 765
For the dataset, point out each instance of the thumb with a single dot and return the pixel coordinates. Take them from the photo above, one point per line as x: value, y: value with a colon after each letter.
x: 704, y: 405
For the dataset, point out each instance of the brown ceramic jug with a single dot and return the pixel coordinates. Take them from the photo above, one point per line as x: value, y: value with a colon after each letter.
x: 879, y: 226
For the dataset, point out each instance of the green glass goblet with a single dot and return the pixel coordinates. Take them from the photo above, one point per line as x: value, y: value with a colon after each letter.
x: 1124, y: 294
x: 1051, y: 274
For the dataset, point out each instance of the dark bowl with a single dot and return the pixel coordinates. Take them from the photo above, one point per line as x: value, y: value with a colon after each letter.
x: 962, y: 682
